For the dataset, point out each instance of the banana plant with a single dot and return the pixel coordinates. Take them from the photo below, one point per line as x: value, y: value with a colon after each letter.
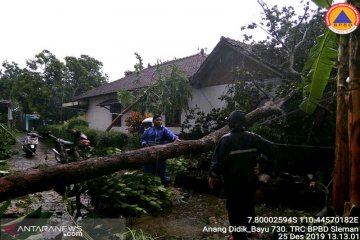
x: 319, y: 65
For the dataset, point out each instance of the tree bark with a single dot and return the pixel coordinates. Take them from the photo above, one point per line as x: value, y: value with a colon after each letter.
x: 35, y: 179
x: 354, y: 115
x: 340, y: 190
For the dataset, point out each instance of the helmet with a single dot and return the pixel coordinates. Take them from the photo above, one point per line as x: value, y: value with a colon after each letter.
x: 148, y: 120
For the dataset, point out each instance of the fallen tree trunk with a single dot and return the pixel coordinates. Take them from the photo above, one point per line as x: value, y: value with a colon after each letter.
x: 36, y: 179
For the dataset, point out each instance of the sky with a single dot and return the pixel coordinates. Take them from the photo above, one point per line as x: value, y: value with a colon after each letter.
x: 111, y: 31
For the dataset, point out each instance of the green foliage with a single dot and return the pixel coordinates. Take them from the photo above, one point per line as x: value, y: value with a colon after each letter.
x: 7, y: 140
x: 56, y: 130
x: 245, y: 93
x: 83, y: 74
x: 98, y: 139
x: 323, y: 3
x: 130, y: 194
x: 76, y: 122
x: 318, y: 67
x: 168, y: 94
x: 133, y: 141
x: 125, y: 97
x: 290, y: 34
x: 134, y: 234
x: 40, y: 216
x: 176, y: 165
x: 107, y: 151
x: 46, y: 82
x: 111, y: 139
x: 198, y: 124
x: 273, y: 132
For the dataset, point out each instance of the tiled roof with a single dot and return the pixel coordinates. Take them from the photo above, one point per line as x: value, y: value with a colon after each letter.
x: 189, y: 65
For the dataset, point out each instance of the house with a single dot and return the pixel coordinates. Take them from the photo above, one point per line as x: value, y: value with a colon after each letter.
x: 209, y: 75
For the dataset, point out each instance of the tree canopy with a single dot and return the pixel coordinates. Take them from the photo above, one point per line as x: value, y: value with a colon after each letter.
x: 46, y: 82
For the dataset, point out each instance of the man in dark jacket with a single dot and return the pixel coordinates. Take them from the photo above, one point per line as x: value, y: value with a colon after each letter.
x: 235, y: 158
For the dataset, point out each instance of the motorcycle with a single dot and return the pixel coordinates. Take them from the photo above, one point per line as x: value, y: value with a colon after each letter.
x: 30, y: 143
x: 67, y: 151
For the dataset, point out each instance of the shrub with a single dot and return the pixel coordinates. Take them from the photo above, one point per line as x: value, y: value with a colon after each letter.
x: 77, y: 122
x: 130, y: 194
x: 111, y: 139
x: 98, y: 139
x: 134, y: 121
x: 7, y: 139
x: 133, y: 141
x: 56, y: 130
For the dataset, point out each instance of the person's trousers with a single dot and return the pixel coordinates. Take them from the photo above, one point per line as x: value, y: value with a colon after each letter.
x: 158, y: 168
x: 240, y: 206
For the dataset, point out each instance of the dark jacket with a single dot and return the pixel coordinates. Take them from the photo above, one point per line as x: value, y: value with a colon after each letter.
x: 236, y: 154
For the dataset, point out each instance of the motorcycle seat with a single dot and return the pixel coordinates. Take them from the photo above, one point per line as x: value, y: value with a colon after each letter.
x: 68, y: 143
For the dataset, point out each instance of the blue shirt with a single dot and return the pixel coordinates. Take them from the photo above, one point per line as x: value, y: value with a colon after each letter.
x: 156, y: 136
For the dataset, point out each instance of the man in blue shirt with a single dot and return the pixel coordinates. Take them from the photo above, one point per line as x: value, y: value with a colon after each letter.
x: 157, y: 135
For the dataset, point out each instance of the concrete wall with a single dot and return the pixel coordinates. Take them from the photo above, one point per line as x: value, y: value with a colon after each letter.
x: 100, y: 117
x: 205, y: 98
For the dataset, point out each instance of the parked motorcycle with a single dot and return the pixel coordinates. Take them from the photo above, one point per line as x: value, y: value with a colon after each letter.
x: 67, y: 151
x: 30, y: 143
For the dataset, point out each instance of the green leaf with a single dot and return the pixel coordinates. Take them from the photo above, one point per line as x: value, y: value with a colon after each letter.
x: 323, y: 3
x: 4, y: 207
x: 125, y: 97
x: 320, y: 63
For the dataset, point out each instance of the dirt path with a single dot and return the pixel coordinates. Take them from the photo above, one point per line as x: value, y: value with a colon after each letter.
x: 187, y: 219
x: 43, y: 156
x: 49, y: 201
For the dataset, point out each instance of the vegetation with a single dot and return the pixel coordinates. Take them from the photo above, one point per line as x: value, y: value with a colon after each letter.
x: 322, y: 61
x: 170, y: 83
x: 7, y: 141
x: 129, y: 194
x: 39, y: 218
x: 134, y: 122
x: 46, y: 82
x: 102, y: 141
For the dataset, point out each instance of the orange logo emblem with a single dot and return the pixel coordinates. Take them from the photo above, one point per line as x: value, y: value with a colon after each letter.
x: 342, y: 18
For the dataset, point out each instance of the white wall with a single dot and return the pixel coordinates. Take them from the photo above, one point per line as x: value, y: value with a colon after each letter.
x: 205, y: 98
x: 100, y: 118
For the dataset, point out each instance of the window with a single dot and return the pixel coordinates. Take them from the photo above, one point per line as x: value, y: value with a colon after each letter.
x: 115, y: 110
x: 175, y: 121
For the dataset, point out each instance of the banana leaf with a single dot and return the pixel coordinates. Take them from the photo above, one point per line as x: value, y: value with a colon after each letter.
x: 323, y: 3
x: 320, y: 63
x: 3, y: 207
